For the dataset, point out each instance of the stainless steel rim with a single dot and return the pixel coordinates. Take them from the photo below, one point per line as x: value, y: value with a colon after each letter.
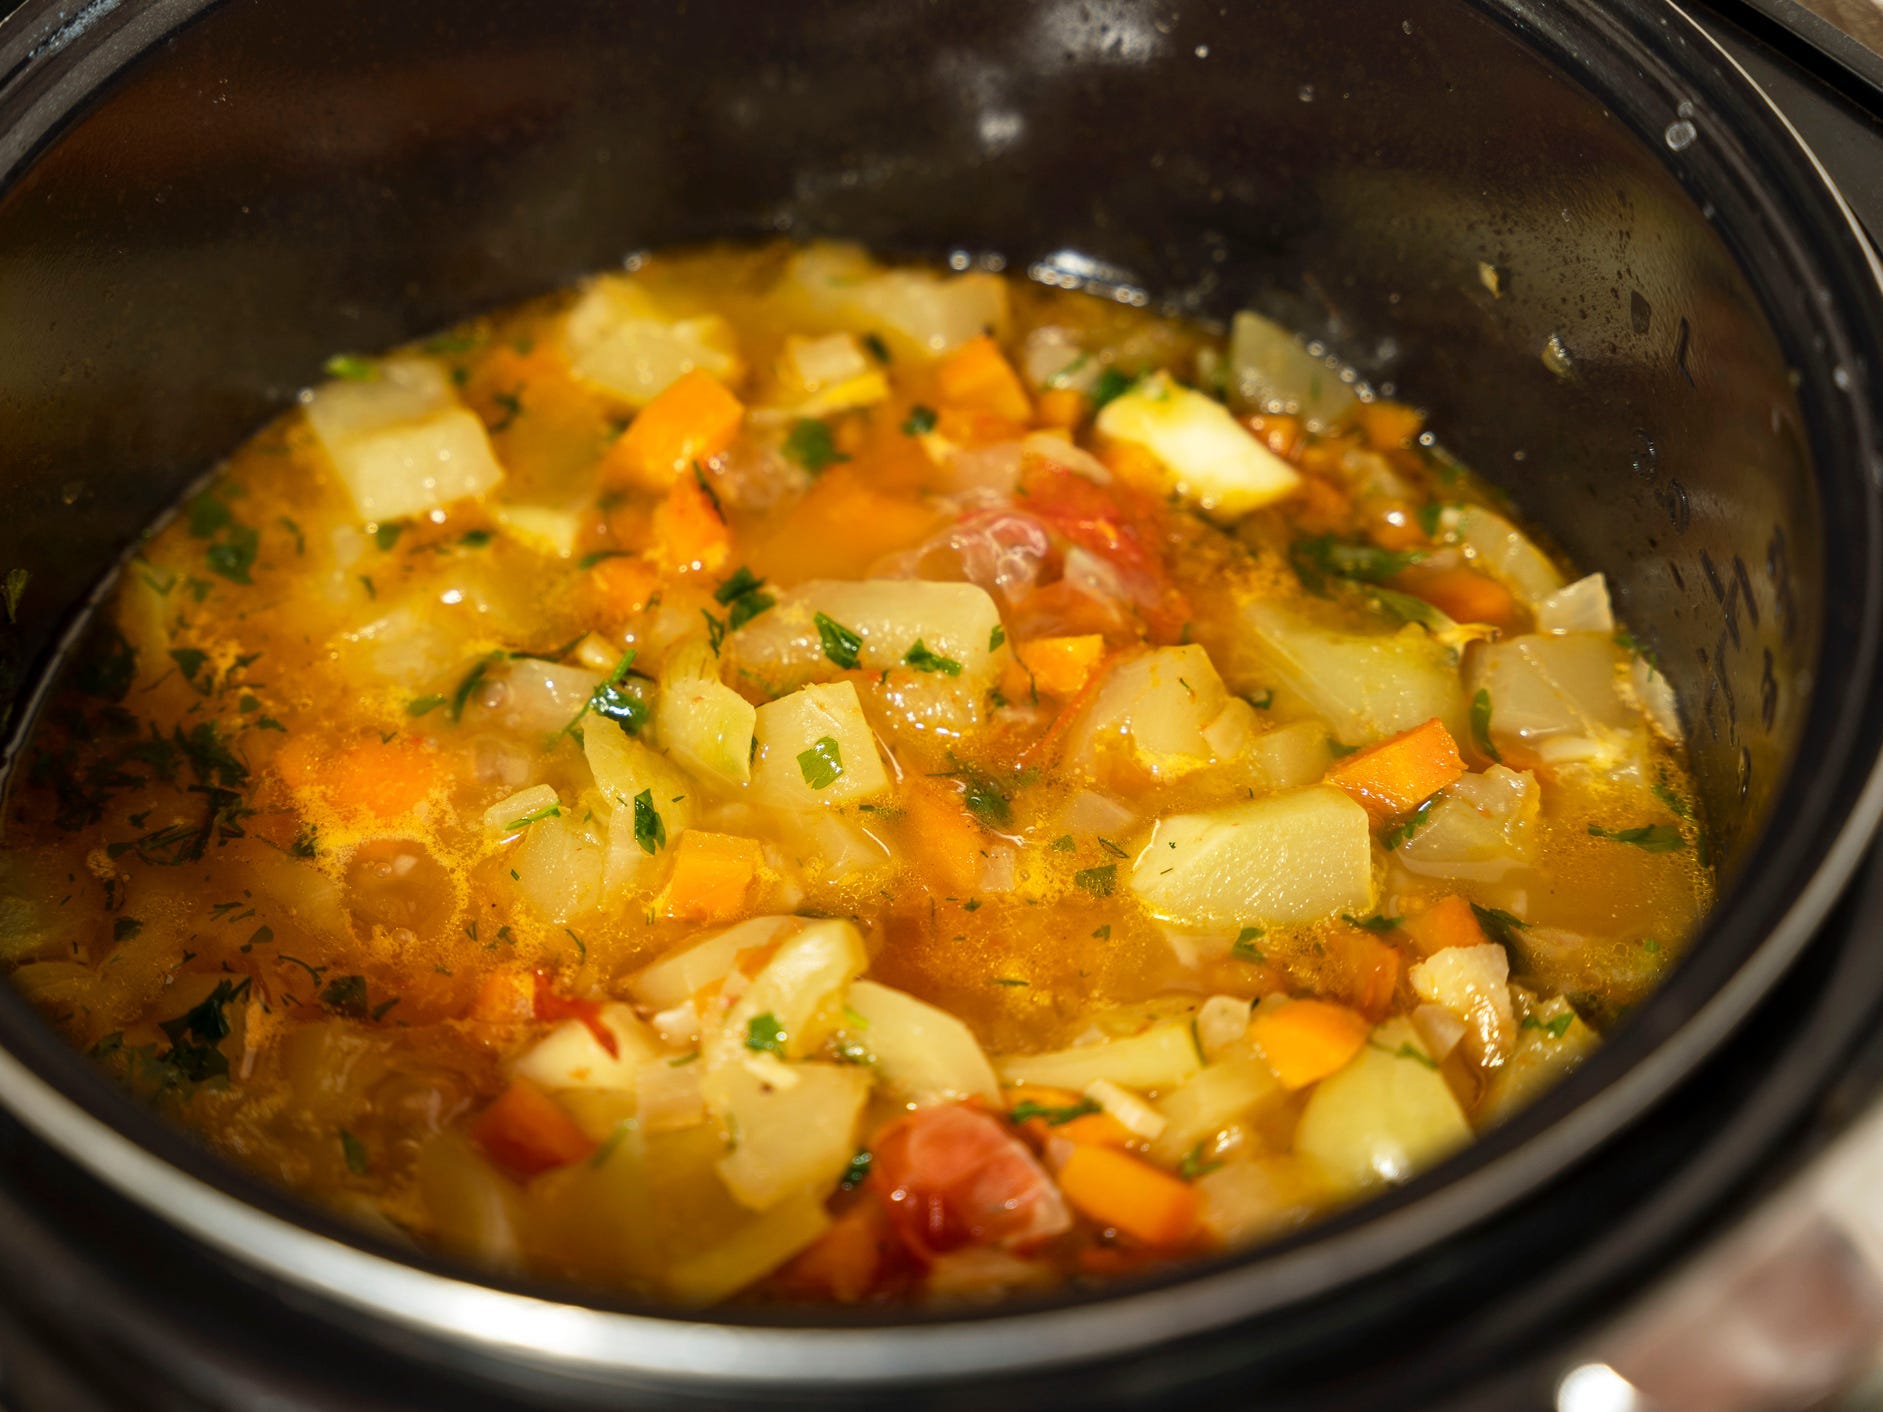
x: 600, y: 1342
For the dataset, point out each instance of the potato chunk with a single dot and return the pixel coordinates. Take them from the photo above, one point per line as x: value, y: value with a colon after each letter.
x: 816, y: 749
x: 1290, y: 857
x: 1209, y: 458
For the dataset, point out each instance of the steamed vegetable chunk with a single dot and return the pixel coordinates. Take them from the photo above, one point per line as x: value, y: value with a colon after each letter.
x: 776, y: 777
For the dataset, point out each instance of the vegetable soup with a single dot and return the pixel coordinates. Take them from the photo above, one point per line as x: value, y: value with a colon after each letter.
x: 774, y: 776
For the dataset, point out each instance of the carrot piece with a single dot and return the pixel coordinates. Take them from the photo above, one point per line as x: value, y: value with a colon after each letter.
x: 1395, y: 528
x: 1445, y: 923
x: 690, y: 534
x: 1306, y: 1040
x: 1322, y: 506
x: 837, y: 530
x: 978, y: 377
x: 693, y: 418
x: 623, y: 585
x: 1098, y: 1129
x: 1063, y: 407
x: 1117, y: 1189
x: 1464, y: 595
x: 526, y: 1132
x: 941, y: 836
x: 712, y: 876
x: 1389, y: 424
x: 1060, y: 666
x: 1401, y: 773
x: 384, y: 778
x: 1364, y: 971
x: 845, y: 1262
x: 504, y: 998
x: 1281, y: 432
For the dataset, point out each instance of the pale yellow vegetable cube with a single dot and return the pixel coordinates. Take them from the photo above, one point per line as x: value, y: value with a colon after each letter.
x: 1159, y: 1058
x: 1209, y: 458
x: 570, y: 1056
x: 816, y: 749
x: 619, y: 339
x: 786, y: 1137
x: 1386, y: 1116
x: 1291, y: 857
x: 923, y: 1055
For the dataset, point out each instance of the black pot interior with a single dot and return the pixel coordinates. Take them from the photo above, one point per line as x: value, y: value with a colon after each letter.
x: 272, y: 180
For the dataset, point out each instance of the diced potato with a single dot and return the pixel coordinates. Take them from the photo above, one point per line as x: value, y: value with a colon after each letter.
x: 473, y: 1210
x: 508, y: 816
x: 1581, y: 607
x: 667, y: 1094
x: 1157, y: 708
x: 1473, y: 982
x: 924, y: 1055
x: 1209, y: 458
x: 1217, y: 1095
x: 1366, y: 687
x: 1552, y: 1040
x: 559, y: 867
x: 673, y: 979
x: 915, y: 311
x: 704, y: 724
x: 781, y: 649
x: 570, y: 1056
x: 1247, y: 1198
x: 1287, y: 757
x: 1221, y: 1021
x: 1385, y: 1116
x: 1291, y: 857
x: 624, y: 768
x: 548, y: 529
x: 1556, y: 699
x: 620, y: 340
x: 786, y: 1137
x: 819, y: 376
x: 401, y: 442
x: 799, y: 994
x: 1271, y: 372
x: 1159, y: 1058
x: 1496, y: 544
x: 816, y: 750
x: 1482, y: 828
x: 750, y: 1253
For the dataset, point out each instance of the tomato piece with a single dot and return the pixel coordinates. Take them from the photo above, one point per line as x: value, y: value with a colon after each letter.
x: 1119, y: 525
x: 550, y: 1006
x: 951, y: 1176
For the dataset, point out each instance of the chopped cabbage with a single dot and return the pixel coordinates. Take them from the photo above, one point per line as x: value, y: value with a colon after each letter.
x: 1556, y: 699
x: 1365, y: 686
x: 1159, y: 1058
x: 1481, y: 828
x: 923, y: 1055
x: 706, y: 726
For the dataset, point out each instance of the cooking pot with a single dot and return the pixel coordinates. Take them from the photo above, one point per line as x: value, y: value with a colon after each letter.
x: 1575, y: 232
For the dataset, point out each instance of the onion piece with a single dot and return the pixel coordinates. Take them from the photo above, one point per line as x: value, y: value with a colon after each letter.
x: 1271, y: 372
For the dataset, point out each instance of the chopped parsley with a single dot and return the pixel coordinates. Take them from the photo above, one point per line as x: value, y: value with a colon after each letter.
x: 811, y: 445
x: 196, y: 1035
x: 1244, y: 948
x: 1377, y: 923
x: 535, y: 816
x: 345, y: 995
x: 1403, y: 831
x: 1195, y: 1165
x: 12, y: 589
x: 355, y: 1154
x: 743, y: 597
x: 1650, y: 838
x: 858, y: 1171
x: 423, y: 705
x: 350, y: 367
x: 649, y: 831
x: 878, y: 349
x: 1555, y: 1028
x: 1498, y: 924
x: 822, y: 764
x: 994, y: 638
x: 1481, y: 727
x: 1062, y: 844
x: 764, y: 1034
x: 920, y: 421
x: 462, y: 695
x: 387, y: 534
x: 1110, y: 386
x: 1111, y: 848
x: 924, y: 660
x: 1099, y: 881
x: 1102, y: 933
x: 1052, y: 1115
x: 840, y: 644
x: 614, y: 702
x: 1322, y: 557
x: 986, y: 800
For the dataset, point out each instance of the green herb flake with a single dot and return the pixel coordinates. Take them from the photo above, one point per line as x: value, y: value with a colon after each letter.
x: 840, y: 644
x: 1481, y: 727
x: 1111, y: 848
x: 996, y: 637
x: 920, y: 421
x: 857, y: 1172
x: 1110, y: 386
x: 822, y: 764
x: 1103, y: 933
x: 476, y: 539
x: 878, y: 349
x: 350, y: 367
x: 1100, y: 881
x: 11, y: 591
x: 1410, y: 825
x: 124, y: 928
x: 764, y: 1034
x: 535, y: 816
x: 1650, y: 838
x: 1555, y: 1027
x: 387, y: 534
x: 1322, y: 557
x: 1244, y: 948
x: 1377, y: 924
x: 345, y: 995
x: 811, y: 444
x: 1679, y: 807
x: 1498, y: 924
x: 1053, y: 1115
x: 234, y: 554
x: 1008, y: 981
x: 423, y: 705
x: 924, y: 660
x: 1062, y: 844
x: 355, y: 1153
x: 649, y: 830
x: 1651, y: 946
x: 1194, y: 1165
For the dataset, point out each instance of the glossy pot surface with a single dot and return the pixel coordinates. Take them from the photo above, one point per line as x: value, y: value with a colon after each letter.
x: 1573, y: 231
